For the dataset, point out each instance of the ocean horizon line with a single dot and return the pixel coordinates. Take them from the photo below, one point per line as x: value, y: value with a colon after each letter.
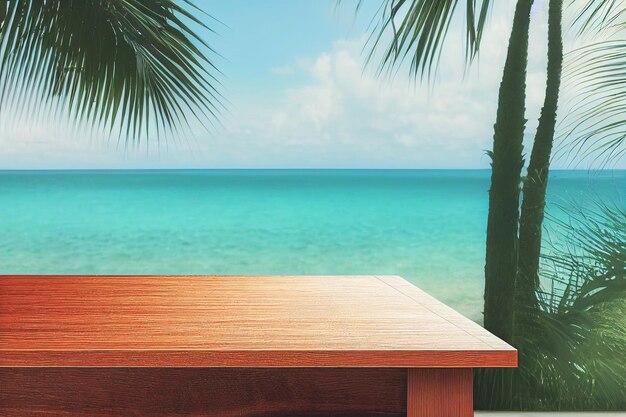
x: 5, y: 170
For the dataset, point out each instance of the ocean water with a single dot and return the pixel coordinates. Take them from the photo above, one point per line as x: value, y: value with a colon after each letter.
x: 426, y: 225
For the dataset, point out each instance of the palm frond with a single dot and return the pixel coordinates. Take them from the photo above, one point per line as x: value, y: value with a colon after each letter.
x: 128, y: 65
x: 593, y: 126
x: 584, y: 308
x: 574, y: 357
x: 595, y: 122
x: 595, y: 16
x: 417, y: 30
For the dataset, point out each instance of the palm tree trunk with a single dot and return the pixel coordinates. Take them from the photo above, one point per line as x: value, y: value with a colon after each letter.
x: 507, y: 162
x: 534, y: 192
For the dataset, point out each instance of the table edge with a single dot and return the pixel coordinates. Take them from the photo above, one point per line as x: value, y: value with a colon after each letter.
x: 498, y: 354
x: 260, y: 358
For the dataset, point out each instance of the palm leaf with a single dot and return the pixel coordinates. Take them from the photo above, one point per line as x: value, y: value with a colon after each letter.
x: 574, y: 357
x: 595, y: 122
x: 417, y: 30
x: 597, y: 16
x: 584, y: 314
x: 128, y: 65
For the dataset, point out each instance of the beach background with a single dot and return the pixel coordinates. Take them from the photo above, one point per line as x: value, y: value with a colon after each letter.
x: 426, y: 225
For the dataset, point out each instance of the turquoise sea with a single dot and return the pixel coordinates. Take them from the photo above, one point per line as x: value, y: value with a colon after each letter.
x: 426, y: 225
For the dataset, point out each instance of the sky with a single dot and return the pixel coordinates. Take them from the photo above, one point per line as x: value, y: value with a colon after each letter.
x: 300, y: 96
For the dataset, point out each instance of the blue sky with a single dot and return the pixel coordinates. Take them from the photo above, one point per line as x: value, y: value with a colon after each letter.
x: 300, y: 97
x: 259, y: 36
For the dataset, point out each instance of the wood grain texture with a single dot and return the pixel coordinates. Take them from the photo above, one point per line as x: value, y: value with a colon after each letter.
x: 246, y: 321
x: 440, y: 393
x: 204, y: 392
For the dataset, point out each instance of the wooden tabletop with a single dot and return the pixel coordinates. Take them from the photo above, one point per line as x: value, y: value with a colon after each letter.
x: 236, y: 321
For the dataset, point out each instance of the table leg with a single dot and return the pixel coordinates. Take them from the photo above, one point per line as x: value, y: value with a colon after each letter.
x: 439, y: 393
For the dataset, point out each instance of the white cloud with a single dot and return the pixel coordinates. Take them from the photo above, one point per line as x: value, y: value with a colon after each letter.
x: 345, y: 116
x: 332, y: 113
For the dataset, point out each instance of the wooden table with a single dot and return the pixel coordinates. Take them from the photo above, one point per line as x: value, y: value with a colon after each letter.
x: 138, y: 346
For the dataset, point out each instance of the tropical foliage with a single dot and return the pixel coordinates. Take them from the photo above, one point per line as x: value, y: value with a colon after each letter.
x: 420, y: 30
x: 128, y: 65
x: 595, y: 123
x: 574, y: 357
x: 552, y: 335
x: 581, y: 331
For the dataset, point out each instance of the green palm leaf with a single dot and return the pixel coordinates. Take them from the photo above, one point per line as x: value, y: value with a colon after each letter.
x: 417, y: 30
x: 582, y: 319
x: 595, y: 122
x: 574, y: 357
x: 129, y: 65
x: 598, y: 15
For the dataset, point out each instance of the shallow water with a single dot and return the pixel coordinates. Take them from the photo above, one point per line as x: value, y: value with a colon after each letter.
x: 426, y: 225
